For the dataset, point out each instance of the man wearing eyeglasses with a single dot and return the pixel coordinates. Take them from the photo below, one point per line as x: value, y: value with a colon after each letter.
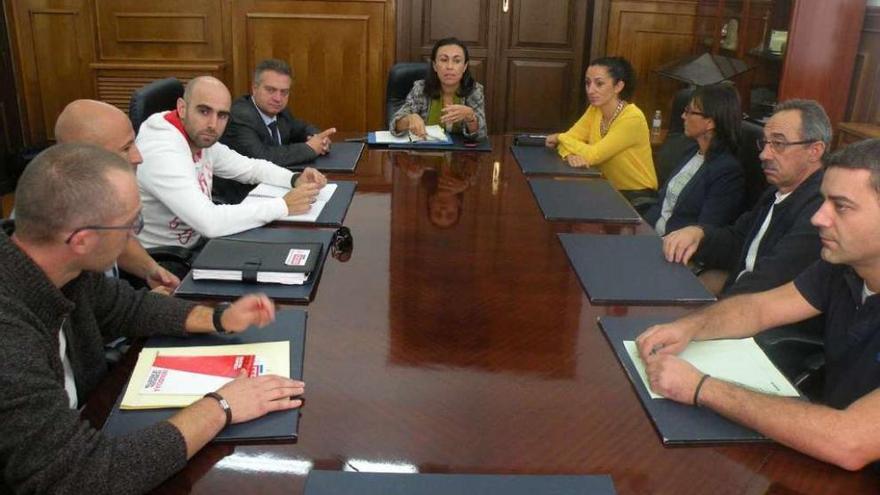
x: 774, y: 241
x: 77, y: 208
x: 842, y: 285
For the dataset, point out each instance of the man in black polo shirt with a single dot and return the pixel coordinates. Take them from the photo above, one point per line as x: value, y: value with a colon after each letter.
x: 841, y: 285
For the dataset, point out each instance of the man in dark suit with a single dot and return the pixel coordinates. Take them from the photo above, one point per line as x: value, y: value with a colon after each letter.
x: 261, y: 127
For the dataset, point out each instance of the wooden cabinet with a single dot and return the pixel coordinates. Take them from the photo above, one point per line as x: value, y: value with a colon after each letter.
x: 798, y: 48
x: 105, y: 49
x: 529, y: 54
x: 816, y: 61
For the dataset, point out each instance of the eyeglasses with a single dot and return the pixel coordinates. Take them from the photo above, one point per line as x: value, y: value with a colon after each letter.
x: 779, y: 146
x: 134, y: 227
x: 691, y: 111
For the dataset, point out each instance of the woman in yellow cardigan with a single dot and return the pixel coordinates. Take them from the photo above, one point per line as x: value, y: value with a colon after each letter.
x: 612, y: 135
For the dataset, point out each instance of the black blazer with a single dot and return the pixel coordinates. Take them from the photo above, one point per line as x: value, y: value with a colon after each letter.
x: 713, y: 196
x: 790, y: 244
x: 247, y: 134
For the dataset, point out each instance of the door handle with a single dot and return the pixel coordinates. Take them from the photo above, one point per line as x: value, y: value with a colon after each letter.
x: 505, y: 6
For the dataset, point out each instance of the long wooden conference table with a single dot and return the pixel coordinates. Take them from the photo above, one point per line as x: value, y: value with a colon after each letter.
x: 457, y: 339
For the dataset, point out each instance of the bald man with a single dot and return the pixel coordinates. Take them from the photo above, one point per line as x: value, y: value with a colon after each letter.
x: 103, y: 125
x: 182, y: 156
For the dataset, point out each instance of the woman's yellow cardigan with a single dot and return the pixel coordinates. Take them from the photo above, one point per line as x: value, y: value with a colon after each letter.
x: 623, y: 155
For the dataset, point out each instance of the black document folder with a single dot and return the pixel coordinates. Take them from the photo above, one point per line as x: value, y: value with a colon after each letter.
x: 224, y: 289
x: 321, y: 482
x: 587, y: 200
x: 252, y: 259
x: 535, y: 160
x: 677, y: 424
x: 289, y: 325
x: 343, y: 158
x: 630, y: 270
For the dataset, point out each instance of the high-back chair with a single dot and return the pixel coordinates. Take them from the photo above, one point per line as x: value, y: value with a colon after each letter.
x: 400, y: 80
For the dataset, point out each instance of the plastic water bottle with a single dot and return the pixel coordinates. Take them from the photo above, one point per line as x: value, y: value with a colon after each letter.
x: 656, y: 124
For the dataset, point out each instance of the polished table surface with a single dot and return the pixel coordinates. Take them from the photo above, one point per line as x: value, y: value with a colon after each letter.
x: 457, y: 339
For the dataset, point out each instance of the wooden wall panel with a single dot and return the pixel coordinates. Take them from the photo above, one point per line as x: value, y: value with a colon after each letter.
x: 864, y: 101
x: 54, y: 46
x: 552, y: 80
x: 650, y: 34
x: 469, y: 24
x: 160, y: 30
x: 543, y: 24
x: 114, y: 83
x: 340, y: 53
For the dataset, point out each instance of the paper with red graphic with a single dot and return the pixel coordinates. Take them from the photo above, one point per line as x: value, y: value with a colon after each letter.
x: 195, y: 375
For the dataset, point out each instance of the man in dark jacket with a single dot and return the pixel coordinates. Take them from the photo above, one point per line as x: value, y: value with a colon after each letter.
x: 77, y: 207
x: 774, y: 241
x: 260, y: 126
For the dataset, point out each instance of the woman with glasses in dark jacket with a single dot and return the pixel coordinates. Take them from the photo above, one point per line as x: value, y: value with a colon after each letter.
x: 708, y: 185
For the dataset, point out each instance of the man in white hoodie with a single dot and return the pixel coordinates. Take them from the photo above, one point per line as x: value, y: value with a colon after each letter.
x: 181, y: 156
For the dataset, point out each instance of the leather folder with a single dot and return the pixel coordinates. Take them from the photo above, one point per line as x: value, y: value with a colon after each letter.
x: 677, y: 424
x: 630, y: 269
x: 289, y: 325
x: 534, y: 160
x: 342, y: 158
x: 255, y: 259
x: 587, y: 200
x: 321, y: 482
x: 224, y: 289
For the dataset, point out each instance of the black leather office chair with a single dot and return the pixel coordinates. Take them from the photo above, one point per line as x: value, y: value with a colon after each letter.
x: 676, y: 145
x: 400, y: 80
x: 158, y: 96
x: 749, y: 157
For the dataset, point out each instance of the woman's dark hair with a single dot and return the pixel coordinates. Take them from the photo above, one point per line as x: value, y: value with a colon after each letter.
x: 620, y: 70
x: 720, y: 102
x: 432, y: 82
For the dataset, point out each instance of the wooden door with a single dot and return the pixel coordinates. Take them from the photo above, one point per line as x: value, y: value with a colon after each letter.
x: 541, y: 64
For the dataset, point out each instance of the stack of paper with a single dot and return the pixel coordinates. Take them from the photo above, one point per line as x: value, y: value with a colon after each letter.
x: 178, y: 376
x: 265, y: 191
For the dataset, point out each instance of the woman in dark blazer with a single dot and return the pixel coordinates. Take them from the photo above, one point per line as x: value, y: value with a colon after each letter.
x: 708, y: 185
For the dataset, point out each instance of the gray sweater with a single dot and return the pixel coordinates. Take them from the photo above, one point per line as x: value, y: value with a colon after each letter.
x: 44, y: 445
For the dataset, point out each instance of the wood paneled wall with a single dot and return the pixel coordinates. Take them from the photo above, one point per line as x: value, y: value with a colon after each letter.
x: 650, y: 33
x: 864, y: 96
x: 104, y: 49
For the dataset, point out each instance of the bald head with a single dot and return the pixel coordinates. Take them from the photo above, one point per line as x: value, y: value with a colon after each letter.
x: 204, y: 84
x: 204, y: 111
x: 100, y: 124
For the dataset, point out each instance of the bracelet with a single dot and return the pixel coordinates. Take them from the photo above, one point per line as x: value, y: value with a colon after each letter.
x: 225, y: 405
x: 699, y: 387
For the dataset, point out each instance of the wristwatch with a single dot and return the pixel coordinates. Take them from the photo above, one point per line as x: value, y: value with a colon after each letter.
x: 218, y: 313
